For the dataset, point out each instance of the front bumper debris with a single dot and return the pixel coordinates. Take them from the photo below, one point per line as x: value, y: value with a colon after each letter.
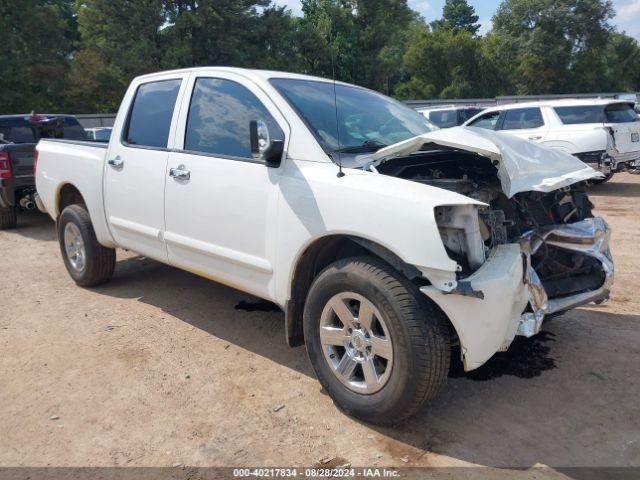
x: 510, y: 298
x: 589, y: 237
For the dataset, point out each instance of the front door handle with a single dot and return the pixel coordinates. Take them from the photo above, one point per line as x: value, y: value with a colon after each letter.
x: 181, y: 173
x: 535, y: 137
x: 116, y: 162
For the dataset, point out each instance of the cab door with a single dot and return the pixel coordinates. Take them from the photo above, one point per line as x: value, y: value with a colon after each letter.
x: 134, y: 176
x: 220, y: 203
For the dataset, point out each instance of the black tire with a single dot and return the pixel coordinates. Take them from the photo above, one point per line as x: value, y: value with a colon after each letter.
x: 600, y: 181
x: 8, y: 218
x: 419, y: 336
x: 99, y: 262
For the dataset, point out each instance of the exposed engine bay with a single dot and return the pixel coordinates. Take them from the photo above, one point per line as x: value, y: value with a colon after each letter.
x: 529, y: 218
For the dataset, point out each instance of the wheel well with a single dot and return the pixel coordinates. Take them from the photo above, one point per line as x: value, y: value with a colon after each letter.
x: 69, y: 195
x: 319, y: 255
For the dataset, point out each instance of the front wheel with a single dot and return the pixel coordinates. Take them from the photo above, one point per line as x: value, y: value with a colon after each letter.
x: 377, y: 345
x: 88, y: 262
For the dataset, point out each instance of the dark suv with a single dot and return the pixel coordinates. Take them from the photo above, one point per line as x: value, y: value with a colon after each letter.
x: 19, y: 135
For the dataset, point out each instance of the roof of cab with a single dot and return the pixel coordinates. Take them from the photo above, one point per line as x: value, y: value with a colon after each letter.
x: 246, y: 72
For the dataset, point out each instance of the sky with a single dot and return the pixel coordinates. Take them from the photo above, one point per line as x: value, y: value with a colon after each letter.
x: 627, y: 12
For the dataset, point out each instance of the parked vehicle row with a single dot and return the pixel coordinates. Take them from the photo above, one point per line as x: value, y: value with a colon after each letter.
x: 602, y: 133
x: 390, y: 246
x: 18, y: 137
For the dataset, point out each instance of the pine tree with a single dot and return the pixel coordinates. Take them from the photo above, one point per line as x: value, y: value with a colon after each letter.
x: 457, y: 15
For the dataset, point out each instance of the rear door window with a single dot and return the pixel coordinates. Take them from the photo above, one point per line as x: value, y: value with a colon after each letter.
x: 522, y: 118
x: 487, y: 121
x: 150, y: 116
x: 578, y: 114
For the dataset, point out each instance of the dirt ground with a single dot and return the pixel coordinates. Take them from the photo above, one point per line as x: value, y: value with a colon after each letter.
x: 160, y: 368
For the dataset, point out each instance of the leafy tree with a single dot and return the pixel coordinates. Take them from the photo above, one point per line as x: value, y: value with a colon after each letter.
x: 273, y: 43
x: 543, y: 40
x: 362, y: 41
x: 457, y: 15
x: 622, y: 57
x: 445, y: 63
x: 326, y: 38
x: 37, y: 40
x: 211, y: 32
x: 80, y: 55
x: 120, y: 40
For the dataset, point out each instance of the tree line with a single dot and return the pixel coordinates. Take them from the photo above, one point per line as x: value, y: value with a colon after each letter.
x: 80, y: 55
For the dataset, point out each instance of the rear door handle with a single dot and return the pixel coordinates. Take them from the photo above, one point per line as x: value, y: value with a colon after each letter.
x: 535, y: 137
x: 116, y: 162
x: 181, y: 173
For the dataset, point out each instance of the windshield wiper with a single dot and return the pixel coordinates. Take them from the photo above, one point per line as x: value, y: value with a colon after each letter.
x: 366, y: 147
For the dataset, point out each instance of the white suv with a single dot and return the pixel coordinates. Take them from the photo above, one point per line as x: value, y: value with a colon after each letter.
x: 602, y: 133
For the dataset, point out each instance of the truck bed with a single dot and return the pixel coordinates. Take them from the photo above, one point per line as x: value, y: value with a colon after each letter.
x: 73, y: 164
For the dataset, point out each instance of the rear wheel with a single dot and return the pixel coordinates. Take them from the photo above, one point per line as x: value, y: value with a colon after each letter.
x: 377, y: 345
x: 88, y: 262
x: 8, y: 218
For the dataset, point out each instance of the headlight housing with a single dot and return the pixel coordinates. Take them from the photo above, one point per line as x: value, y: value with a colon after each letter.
x: 459, y: 228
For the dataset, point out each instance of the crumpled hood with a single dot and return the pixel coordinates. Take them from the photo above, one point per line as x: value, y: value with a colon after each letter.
x: 523, y: 166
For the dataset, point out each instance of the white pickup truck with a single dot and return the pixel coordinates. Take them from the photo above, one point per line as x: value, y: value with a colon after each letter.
x: 389, y: 246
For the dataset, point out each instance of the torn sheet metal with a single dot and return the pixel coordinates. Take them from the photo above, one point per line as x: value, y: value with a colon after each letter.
x: 523, y: 166
x: 589, y: 237
x: 486, y: 322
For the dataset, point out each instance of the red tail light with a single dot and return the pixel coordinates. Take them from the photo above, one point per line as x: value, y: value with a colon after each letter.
x: 35, y: 161
x: 5, y: 165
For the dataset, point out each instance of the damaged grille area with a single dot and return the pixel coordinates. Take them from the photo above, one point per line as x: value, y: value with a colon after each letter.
x: 564, y: 247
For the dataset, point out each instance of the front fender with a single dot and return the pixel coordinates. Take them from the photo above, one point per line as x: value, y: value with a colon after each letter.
x: 394, y: 213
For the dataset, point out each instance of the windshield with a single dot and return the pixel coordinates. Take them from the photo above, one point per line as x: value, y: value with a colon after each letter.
x: 367, y: 121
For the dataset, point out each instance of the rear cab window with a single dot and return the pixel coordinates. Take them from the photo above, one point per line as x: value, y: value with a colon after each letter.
x: 16, y: 130
x: 30, y: 129
x: 522, y: 119
x: 151, y: 112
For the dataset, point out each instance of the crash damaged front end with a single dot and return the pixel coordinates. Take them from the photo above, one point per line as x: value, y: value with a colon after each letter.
x: 507, y: 296
x: 532, y: 249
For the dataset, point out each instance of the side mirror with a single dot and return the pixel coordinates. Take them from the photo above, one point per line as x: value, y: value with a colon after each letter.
x: 263, y: 148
